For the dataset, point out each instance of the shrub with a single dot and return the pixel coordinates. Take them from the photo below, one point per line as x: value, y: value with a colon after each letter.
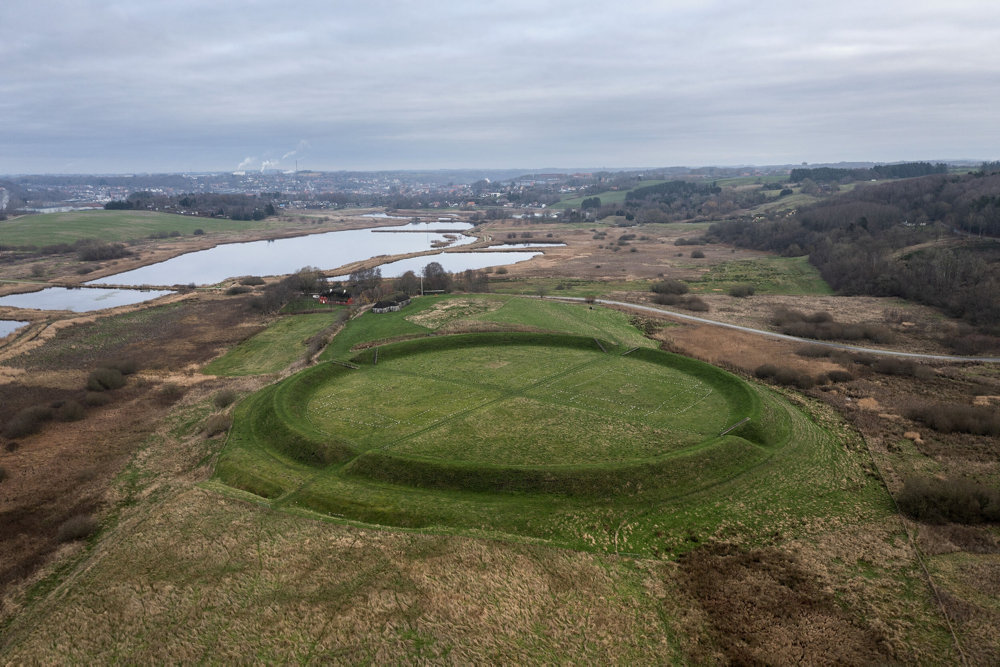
x: 742, y: 291
x: 669, y: 286
x: 785, y: 376
x: 76, y: 527
x: 252, y: 280
x: 766, y: 371
x: 907, y: 367
x: 822, y: 326
x: 199, y: 232
x: 697, y: 254
x: 70, y: 411
x: 97, y: 251
x: 814, y: 351
x: 937, y: 501
x: 839, y: 376
x: 96, y: 398
x: 28, y: 421
x: 216, y: 424
x: 105, y: 379
x: 224, y: 398
x: 237, y: 289
x: 170, y: 393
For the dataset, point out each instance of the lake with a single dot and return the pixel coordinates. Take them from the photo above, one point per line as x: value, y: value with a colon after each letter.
x: 80, y: 300
x: 281, y: 256
x: 453, y: 262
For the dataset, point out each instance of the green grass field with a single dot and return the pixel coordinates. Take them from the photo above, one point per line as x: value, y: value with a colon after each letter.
x: 51, y: 228
x: 270, y: 350
x: 769, y: 275
x: 529, y: 436
x: 436, y: 314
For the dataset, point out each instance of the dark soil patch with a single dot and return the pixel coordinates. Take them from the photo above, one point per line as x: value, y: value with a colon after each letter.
x: 763, y: 607
x: 160, y: 338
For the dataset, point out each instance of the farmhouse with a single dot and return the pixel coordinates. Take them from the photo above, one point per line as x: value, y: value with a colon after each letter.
x: 339, y: 296
x: 392, y: 304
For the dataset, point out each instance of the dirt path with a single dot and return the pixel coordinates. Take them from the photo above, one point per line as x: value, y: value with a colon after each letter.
x: 761, y: 332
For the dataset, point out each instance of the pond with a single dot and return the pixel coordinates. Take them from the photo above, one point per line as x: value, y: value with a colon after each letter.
x: 539, y: 244
x: 440, y: 226
x: 81, y: 300
x: 10, y: 326
x: 281, y: 256
x: 453, y: 262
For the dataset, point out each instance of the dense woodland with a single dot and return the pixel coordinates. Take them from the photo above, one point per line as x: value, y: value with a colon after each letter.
x: 935, y: 240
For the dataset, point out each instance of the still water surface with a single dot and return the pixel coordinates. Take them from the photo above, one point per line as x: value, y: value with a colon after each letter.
x: 452, y: 262
x: 79, y: 300
x: 10, y: 326
x: 281, y: 256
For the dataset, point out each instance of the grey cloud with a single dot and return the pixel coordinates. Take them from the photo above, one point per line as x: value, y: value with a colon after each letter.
x: 521, y: 83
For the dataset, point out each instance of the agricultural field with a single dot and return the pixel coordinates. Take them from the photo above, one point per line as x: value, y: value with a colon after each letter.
x: 119, y: 226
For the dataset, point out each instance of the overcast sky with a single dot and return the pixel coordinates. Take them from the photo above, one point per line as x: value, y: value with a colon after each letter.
x: 189, y: 85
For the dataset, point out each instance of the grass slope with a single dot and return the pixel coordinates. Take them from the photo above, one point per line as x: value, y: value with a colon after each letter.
x: 271, y: 350
x: 441, y: 314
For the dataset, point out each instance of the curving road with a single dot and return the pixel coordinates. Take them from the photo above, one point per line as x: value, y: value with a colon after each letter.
x: 772, y: 334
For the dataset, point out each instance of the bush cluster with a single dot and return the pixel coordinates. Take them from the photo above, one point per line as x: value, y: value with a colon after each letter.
x: 956, y: 418
x: 105, y: 379
x: 937, y: 500
x: 669, y: 286
x: 97, y: 251
x: 821, y: 325
x: 742, y: 291
x: 216, y: 424
x: 27, y: 421
x: 687, y: 301
x: 76, y: 527
x: 224, y: 398
x: 786, y: 376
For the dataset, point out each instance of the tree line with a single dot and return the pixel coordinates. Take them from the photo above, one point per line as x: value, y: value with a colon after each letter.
x: 211, y: 205
x: 878, y: 172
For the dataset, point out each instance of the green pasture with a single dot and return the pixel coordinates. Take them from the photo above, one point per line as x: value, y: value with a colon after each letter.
x: 120, y: 226
x: 543, y: 437
x: 607, y: 197
x: 769, y: 275
x: 271, y: 350
x: 557, y: 287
